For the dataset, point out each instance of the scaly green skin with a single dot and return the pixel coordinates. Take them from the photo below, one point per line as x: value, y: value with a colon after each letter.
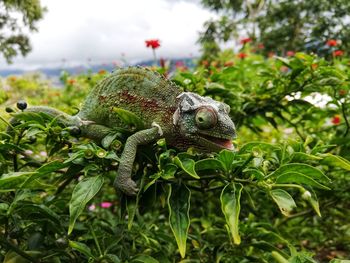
x: 184, y: 119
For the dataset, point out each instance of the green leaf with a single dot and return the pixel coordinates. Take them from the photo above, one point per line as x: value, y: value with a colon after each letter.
x: 186, y: 165
x: 179, y: 220
x: 209, y: 164
x: 284, y: 201
x: 43, y: 170
x: 52, y: 167
x: 284, y: 61
x: 112, y: 258
x: 335, y: 160
x: 129, y: 118
x: 144, y: 259
x: 262, y: 145
x: 14, y: 180
x: 336, y: 260
x: 83, y: 192
x: 305, y: 169
x: 278, y: 257
x: 302, y: 157
x: 311, y: 197
x: 227, y: 157
x: 266, y: 246
x: 169, y: 171
x: 28, y: 210
x: 108, y: 139
x: 230, y: 206
x: 299, y: 178
x: 131, y: 207
x: 254, y: 172
x: 82, y: 248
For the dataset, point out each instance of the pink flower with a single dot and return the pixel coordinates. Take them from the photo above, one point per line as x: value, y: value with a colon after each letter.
x: 290, y: 53
x: 179, y: 64
x: 28, y: 152
x: 106, y: 204
x: 92, y: 207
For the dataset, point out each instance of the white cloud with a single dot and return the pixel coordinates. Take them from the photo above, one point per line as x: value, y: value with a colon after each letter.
x: 101, y: 30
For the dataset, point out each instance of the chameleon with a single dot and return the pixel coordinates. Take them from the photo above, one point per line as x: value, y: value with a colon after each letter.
x: 183, y: 119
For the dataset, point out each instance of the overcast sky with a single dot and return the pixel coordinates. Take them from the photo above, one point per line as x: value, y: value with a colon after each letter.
x: 103, y: 30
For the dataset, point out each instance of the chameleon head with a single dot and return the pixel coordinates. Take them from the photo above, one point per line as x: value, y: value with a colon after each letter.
x: 204, y: 122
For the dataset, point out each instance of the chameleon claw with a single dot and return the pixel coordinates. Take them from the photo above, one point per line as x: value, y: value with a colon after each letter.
x: 160, y: 131
x: 84, y: 122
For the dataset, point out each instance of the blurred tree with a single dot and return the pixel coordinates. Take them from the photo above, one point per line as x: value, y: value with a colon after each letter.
x: 280, y: 25
x: 16, y: 17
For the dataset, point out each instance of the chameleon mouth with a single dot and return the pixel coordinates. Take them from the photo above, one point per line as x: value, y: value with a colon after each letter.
x: 223, y: 143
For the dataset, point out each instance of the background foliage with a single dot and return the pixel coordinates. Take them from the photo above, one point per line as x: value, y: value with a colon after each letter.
x: 278, y: 26
x: 16, y: 16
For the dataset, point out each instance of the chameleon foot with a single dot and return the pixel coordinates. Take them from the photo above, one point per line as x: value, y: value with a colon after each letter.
x: 128, y: 186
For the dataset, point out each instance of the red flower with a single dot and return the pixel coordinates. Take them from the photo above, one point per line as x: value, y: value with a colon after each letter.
x: 284, y: 69
x: 228, y: 64
x: 342, y: 92
x: 102, y: 72
x: 261, y: 46
x: 314, y: 66
x: 214, y: 64
x: 242, y: 55
x: 338, y: 53
x: 336, y: 119
x: 290, y: 53
x: 71, y: 81
x: 331, y: 42
x: 152, y: 43
x: 205, y: 63
x: 245, y: 40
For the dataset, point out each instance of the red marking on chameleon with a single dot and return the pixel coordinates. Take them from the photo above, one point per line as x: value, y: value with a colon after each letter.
x: 102, y: 98
x: 137, y: 100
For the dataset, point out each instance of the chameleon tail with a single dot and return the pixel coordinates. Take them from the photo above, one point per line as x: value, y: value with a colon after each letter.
x: 61, y: 117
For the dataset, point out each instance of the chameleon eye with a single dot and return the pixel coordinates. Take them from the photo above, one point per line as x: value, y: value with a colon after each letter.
x: 206, y: 118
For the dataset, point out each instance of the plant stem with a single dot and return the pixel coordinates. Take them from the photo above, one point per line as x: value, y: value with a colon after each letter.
x: 346, y: 120
x: 287, y: 185
x: 11, y: 246
x: 154, y: 56
x: 96, y: 241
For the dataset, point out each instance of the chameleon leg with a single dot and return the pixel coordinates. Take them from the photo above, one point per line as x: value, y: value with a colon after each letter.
x: 95, y: 132
x: 123, y: 180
